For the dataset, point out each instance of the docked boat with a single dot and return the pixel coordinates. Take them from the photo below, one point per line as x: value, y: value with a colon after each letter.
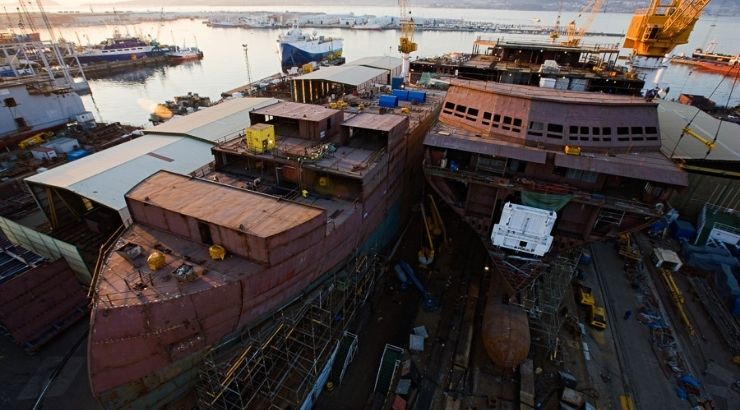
x: 729, y: 68
x: 181, y: 105
x: 298, y: 48
x: 120, y: 48
x: 224, y: 23
x: 708, y: 55
x: 206, y: 258
x: 184, y: 54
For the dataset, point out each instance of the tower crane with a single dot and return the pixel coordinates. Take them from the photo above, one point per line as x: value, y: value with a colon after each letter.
x: 574, y: 33
x: 555, y: 32
x: 657, y: 30
x: 406, y: 45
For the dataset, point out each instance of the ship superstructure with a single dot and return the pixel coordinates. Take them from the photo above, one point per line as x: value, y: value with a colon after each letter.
x: 298, y: 48
x: 120, y: 48
x: 539, y: 172
x: 316, y: 188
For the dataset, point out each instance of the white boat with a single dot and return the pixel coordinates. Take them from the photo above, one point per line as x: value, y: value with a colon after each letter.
x: 298, y: 48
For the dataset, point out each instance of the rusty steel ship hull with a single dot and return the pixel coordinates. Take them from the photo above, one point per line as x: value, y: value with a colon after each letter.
x: 147, y: 355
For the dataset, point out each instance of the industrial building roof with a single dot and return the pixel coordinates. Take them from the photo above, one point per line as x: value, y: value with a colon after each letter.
x: 106, y: 176
x: 182, y: 145
x: 346, y: 74
x: 260, y: 215
x: 296, y: 111
x: 383, y: 62
x: 673, y: 119
x: 215, y: 123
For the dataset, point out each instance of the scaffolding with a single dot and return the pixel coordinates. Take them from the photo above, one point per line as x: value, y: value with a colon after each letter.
x: 44, y: 65
x: 543, y: 299
x: 285, y: 362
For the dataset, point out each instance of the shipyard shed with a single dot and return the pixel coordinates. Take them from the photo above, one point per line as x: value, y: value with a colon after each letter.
x: 84, y: 200
x: 337, y: 81
x: 392, y: 65
x: 713, y: 172
x: 102, y: 179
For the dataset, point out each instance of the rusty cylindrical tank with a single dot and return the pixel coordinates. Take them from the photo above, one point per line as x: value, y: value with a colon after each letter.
x: 505, y: 334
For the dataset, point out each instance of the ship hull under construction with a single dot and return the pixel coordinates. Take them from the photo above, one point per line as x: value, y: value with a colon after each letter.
x: 540, y: 173
x: 166, y: 326
x: 174, y: 380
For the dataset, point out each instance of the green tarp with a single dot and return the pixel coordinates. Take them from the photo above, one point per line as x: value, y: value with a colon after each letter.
x: 549, y: 202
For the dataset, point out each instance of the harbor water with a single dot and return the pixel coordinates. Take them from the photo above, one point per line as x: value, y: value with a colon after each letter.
x: 129, y: 97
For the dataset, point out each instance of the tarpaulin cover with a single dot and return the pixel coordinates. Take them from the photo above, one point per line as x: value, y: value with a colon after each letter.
x: 549, y: 202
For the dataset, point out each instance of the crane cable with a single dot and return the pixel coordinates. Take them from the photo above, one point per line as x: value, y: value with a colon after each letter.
x: 683, y: 131
x: 727, y: 105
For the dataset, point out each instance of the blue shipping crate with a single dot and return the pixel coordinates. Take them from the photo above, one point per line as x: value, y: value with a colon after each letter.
x: 402, y: 95
x: 388, y: 101
x: 396, y: 82
x: 77, y: 154
x: 417, y: 96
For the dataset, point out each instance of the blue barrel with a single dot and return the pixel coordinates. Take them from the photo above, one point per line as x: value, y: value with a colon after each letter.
x: 396, y: 82
x: 417, y: 96
x: 402, y: 95
x: 388, y: 101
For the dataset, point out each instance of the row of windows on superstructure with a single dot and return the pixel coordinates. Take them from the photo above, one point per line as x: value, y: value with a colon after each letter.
x: 124, y: 49
x: 489, y: 119
x: 554, y: 131
x: 595, y: 134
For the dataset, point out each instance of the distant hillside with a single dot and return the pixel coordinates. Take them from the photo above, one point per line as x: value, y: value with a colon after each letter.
x: 731, y: 8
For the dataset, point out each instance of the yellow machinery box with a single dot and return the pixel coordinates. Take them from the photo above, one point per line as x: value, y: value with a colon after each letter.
x: 260, y: 138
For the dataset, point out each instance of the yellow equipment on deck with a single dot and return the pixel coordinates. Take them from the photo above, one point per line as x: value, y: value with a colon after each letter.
x: 35, y: 139
x: 217, y: 252
x: 260, y: 138
x: 155, y: 260
x: 657, y: 30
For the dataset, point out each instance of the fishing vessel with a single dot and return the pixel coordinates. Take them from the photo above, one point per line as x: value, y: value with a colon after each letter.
x: 305, y: 191
x: 120, y: 48
x: 298, y: 48
x: 184, y: 54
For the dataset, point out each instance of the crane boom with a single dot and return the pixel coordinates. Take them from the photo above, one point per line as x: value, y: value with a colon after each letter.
x: 406, y: 44
x: 575, y: 34
x: 657, y: 30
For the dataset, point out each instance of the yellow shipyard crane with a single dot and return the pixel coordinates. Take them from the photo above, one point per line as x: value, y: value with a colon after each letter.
x: 657, y: 30
x: 406, y: 45
x: 574, y: 33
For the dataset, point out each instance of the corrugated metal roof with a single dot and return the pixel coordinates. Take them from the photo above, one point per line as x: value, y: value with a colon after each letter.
x: 673, y: 119
x: 384, y: 62
x: 223, y: 205
x: 549, y: 94
x: 346, y: 74
x: 648, y: 166
x: 106, y: 176
x: 216, y: 123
